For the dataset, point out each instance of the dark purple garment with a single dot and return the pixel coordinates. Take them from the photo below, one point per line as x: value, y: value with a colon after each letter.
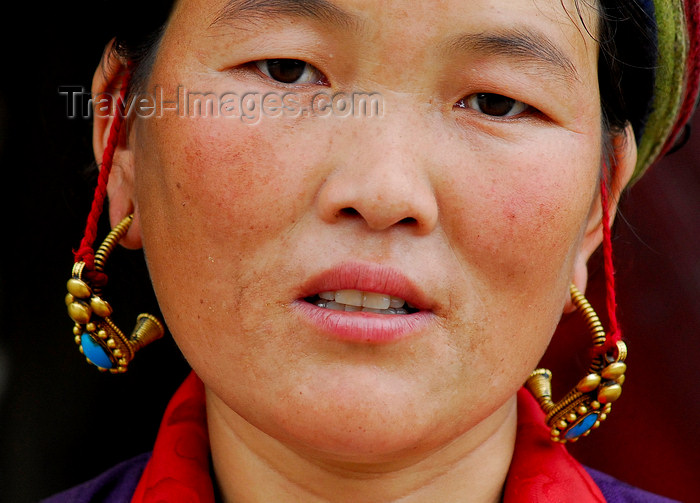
x: 619, y: 492
x: 118, y: 484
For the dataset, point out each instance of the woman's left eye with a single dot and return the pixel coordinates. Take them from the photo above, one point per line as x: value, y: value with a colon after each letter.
x: 494, y: 105
x: 290, y: 71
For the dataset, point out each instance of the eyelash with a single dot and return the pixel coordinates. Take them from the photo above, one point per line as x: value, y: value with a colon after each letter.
x: 477, y: 102
x: 307, y: 70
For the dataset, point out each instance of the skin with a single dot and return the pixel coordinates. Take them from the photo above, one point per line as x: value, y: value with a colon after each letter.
x: 490, y: 217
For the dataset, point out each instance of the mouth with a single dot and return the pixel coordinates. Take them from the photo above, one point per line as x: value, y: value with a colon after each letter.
x: 364, y: 303
x: 361, y: 301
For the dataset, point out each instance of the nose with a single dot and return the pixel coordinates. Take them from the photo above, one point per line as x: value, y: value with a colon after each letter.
x: 383, y: 178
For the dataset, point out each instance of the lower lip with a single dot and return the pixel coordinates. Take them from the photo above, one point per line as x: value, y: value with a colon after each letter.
x: 360, y: 327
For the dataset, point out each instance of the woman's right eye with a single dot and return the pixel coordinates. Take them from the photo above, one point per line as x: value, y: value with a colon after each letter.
x: 290, y: 71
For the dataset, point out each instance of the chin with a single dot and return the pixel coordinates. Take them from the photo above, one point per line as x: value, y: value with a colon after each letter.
x: 365, y: 421
x: 361, y: 443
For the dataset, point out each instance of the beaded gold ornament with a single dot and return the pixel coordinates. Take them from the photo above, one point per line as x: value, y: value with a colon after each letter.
x: 586, y: 406
x: 101, y: 342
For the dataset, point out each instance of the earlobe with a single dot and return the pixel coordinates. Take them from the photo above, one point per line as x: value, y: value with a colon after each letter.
x: 580, y: 279
x: 107, y: 84
x: 623, y: 160
x: 120, y: 190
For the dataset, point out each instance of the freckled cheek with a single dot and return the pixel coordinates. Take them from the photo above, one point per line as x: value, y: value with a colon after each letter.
x: 227, y: 178
x: 520, y: 217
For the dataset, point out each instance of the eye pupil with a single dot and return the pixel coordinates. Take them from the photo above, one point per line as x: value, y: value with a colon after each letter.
x: 494, y: 104
x: 287, y: 71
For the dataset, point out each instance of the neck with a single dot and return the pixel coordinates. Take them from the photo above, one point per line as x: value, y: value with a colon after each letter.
x: 252, y: 467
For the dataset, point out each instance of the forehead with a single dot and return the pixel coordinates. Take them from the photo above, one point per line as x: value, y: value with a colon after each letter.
x: 435, y: 17
x: 349, y: 11
x: 556, y: 36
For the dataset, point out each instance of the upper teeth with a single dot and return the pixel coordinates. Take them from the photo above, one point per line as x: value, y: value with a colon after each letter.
x: 356, y: 300
x: 363, y: 299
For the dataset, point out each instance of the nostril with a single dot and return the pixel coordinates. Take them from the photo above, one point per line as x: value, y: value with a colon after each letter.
x: 349, y: 212
x: 352, y: 212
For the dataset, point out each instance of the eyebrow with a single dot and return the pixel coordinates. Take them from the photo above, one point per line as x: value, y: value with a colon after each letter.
x: 317, y: 10
x: 520, y: 45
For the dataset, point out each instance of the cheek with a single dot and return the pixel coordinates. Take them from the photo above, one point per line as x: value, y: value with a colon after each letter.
x: 515, y: 225
x: 216, y: 199
x: 523, y: 210
x: 219, y: 177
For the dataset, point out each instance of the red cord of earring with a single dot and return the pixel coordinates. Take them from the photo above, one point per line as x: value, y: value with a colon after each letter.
x: 614, y: 334
x: 86, y: 251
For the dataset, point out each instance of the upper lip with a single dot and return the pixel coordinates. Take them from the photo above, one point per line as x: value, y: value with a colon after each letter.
x: 367, y: 277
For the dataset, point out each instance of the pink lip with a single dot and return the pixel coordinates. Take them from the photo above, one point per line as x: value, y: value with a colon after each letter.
x: 358, y: 326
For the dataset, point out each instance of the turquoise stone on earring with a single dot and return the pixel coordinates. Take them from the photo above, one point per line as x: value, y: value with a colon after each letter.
x: 582, y: 426
x: 95, y: 352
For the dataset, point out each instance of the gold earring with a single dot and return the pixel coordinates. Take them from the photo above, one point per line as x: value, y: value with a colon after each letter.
x: 101, y: 342
x: 589, y: 403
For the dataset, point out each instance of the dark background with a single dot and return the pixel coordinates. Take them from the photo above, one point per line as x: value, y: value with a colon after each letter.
x: 62, y: 422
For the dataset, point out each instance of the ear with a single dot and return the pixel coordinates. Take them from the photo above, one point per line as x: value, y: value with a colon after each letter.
x: 624, y: 159
x: 106, y: 85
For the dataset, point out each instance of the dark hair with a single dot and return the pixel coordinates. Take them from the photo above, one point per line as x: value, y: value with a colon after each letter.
x: 136, y: 40
x: 627, y: 63
x: 626, y: 67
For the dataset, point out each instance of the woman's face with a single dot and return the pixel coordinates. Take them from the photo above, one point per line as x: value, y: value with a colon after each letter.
x: 474, y: 208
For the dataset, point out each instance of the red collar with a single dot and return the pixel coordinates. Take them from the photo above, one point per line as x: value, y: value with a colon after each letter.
x: 541, y: 471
